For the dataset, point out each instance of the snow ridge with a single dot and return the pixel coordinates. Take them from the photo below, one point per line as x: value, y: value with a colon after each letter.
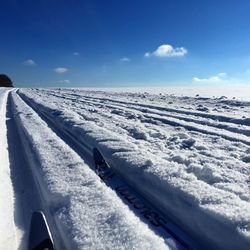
x: 86, y: 212
x: 201, y: 200
x: 8, y: 233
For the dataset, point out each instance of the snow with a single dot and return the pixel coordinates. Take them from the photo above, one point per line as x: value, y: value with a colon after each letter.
x: 231, y: 91
x: 7, y: 229
x: 187, y: 154
x: 89, y: 214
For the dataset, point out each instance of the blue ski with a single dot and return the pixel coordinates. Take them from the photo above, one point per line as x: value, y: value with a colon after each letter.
x: 144, y: 209
x: 40, y: 237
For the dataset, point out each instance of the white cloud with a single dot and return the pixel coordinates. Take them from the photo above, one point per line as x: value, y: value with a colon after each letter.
x: 222, y: 74
x: 220, y: 77
x: 125, y: 59
x: 64, y: 81
x: 60, y: 70
x: 76, y: 53
x: 29, y: 62
x: 167, y: 50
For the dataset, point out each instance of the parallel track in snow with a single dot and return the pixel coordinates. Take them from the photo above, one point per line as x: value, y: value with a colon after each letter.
x: 191, y: 117
x: 113, y: 127
x: 121, y: 186
x: 222, y: 126
x: 28, y: 192
x: 154, y: 108
x: 101, y: 114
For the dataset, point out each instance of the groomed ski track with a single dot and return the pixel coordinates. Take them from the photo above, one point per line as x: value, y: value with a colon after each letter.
x: 52, y: 203
x: 219, y: 125
x: 118, y: 184
x: 121, y: 155
x: 80, y: 141
x: 28, y: 190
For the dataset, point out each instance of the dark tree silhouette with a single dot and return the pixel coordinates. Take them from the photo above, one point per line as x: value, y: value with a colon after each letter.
x: 5, y: 81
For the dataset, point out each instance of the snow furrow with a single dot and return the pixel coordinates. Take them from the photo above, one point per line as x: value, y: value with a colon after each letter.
x: 216, y: 117
x: 223, y: 130
x: 191, y: 125
x: 87, y: 213
x: 224, y: 166
x: 166, y: 230
x: 245, y: 121
x: 188, y: 118
x: 209, y: 211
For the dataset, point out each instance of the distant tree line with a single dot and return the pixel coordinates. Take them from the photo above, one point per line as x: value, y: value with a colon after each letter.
x: 5, y: 81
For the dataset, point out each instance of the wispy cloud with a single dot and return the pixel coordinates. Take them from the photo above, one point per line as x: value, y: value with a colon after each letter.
x: 64, y: 81
x: 125, y: 59
x: 222, y: 74
x: 167, y: 50
x: 76, y: 53
x: 60, y: 70
x: 220, y: 77
x: 29, y: 62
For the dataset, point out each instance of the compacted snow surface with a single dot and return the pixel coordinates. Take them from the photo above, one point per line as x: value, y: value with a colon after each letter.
x: 188, y: 156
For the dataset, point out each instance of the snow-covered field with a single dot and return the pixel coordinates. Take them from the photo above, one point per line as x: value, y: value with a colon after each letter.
x: 188, y: 156
x: 7, y: 230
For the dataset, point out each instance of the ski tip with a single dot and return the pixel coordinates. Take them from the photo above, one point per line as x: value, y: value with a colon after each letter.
x: 102, y: 168
x: 98, y: 158
x: 39, y: 236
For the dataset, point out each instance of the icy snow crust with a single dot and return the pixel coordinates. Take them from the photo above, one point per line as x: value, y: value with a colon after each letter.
x: 190, y: 156
x: 87, y: 213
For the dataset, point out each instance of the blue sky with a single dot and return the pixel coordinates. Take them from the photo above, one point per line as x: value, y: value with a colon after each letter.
x: 111, y: 43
